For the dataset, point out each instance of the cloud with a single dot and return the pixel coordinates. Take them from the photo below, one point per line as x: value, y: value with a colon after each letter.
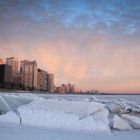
x: 91, y: 43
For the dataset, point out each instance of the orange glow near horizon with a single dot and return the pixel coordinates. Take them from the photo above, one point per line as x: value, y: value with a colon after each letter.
x: 91, y: 44
x: 92, y: 70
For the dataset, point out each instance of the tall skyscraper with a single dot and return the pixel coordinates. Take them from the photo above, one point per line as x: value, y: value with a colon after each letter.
x: 14, y: 63
x: 5, y: 76
x: 1, y: 61
x: 28, y: 71
x: 42, y: 80
x: 50, y: 82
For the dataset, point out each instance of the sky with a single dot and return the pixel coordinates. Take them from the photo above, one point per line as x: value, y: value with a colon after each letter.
x: 94, y: 44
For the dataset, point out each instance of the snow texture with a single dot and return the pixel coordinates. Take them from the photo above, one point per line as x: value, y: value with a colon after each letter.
x: 10, y: 117
x: 89, y: 115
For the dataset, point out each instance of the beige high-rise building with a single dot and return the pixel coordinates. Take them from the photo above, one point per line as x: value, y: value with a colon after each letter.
x: 28, y: 71
x: 1, y: 61
x: 50, y: 82
x: 14, y: 63
x: 42, y: 80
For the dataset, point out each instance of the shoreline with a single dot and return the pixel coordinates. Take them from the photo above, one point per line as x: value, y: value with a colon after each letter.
x: 76, y: 93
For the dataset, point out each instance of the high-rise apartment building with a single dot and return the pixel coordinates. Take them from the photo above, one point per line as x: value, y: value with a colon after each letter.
x: 50, y: 82
x: 42, y: 80
x: 5, y: 76
x: 28, y: 71
x: 14, y: 63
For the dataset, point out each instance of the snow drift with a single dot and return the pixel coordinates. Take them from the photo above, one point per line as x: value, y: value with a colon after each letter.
x: 10, y: 117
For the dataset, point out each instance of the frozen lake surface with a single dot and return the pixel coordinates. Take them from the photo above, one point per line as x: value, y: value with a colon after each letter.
x: 102, y: 97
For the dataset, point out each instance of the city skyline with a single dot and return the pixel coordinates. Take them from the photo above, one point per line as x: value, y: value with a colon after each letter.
x: 25, y: 75
x: 93, y: 44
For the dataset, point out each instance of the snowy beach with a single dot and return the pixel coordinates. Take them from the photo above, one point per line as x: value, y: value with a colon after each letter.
x: 67, y: 116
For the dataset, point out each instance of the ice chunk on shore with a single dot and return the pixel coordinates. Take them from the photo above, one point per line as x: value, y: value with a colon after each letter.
x: 11, y: 102
x: 120, y: 124
x: 80, y: 108
x: 4, y: 106
x: 122, y: 107
x: 133, y: 120
x: 67, y: 115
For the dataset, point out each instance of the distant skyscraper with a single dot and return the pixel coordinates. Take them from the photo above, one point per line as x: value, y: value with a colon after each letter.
x: 28, y: 71
x: 14, y: 63
x: 68, y: 88
x: 72, y: 88
x: 63, y: 88
x: 42, y: 80
x: 5, y: 76
x: 1, y: 61
x: 50, y: 82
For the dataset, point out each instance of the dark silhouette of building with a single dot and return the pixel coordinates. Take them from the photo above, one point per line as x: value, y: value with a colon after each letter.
x: 5, y: 76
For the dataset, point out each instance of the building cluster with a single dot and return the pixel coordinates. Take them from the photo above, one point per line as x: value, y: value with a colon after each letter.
x: 69, y: 88
x: 24, y: 75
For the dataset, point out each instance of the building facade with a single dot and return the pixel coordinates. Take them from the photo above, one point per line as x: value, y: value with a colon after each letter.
x: 42, y: 80
x: 50, y: 82
x: 5, y: 76
x: 14, y: 63
x: 28, y: 72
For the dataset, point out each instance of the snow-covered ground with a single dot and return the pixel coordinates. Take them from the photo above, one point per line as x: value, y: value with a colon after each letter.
x: 19, y: 132
x: 68, y: 117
